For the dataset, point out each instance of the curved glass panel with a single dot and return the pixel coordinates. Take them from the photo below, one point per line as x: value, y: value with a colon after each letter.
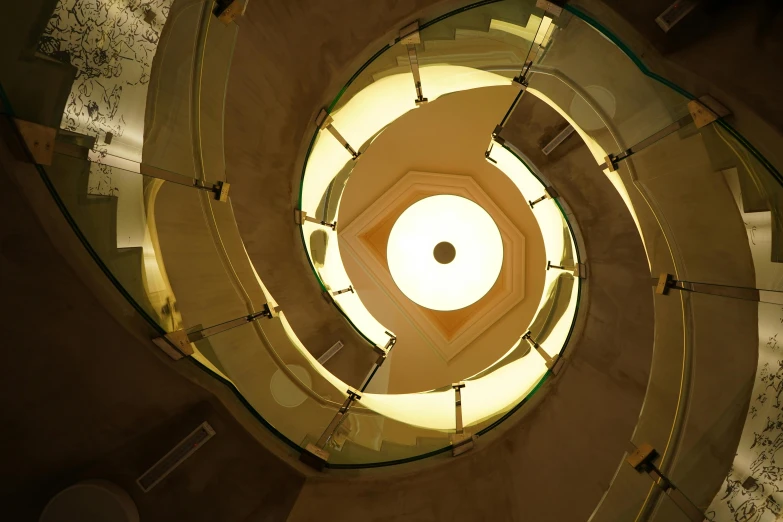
x: 690, y: 189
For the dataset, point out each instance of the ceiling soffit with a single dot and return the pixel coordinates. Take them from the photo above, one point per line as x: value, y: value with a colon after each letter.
x: 449, y: 332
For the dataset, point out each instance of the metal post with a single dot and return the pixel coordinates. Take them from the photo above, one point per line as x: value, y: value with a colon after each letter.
x: 314, y: 455
x: 220, y: 188
x: 578, y: 270
x: 522, y: 77
x: 612, y: 161
x: 458, y: 405
x: 461, y: 441
x: 300, y: 216
x: 642, y: 460
x: 324, y: 121
x: 551, y: 362
x: 382, y: 355
x: 391, y: 342
x: 344, y: 290
x: 209, y: 331
x: 410, y: 37
x: 666, y: 282
x: 488, y: 153
x: 522, y: 83
x: 549, y: 193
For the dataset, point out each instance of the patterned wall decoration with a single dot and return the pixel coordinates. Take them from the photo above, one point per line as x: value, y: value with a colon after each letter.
x: 753, y: 489
x: 112, y: 44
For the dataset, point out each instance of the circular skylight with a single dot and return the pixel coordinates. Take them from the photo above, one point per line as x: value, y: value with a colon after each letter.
x: 445, y: 252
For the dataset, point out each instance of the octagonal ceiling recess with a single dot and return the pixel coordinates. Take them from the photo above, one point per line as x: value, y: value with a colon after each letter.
x: 439, y: 149
x: 447, y: 331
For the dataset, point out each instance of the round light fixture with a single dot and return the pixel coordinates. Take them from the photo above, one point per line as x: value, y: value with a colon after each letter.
x: 445, y: 252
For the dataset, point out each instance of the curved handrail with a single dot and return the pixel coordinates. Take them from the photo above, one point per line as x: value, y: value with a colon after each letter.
x: 246, y: 291
x: 670, y: 450
x: 677, y: 432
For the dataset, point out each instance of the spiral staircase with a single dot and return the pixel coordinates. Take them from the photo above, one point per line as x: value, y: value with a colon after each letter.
x: 160, y: 279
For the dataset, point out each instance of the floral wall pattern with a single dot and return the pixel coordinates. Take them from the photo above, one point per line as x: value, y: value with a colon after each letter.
x: 112, y: 44
x: 753, y: 489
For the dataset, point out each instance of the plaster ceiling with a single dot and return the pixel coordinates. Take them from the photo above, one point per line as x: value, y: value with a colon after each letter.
x: 439, y: 149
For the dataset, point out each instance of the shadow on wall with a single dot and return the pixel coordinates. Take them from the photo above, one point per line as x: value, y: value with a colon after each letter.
x: 319, y: 240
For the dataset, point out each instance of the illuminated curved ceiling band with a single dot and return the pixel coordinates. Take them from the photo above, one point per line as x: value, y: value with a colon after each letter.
x: 517, y: 373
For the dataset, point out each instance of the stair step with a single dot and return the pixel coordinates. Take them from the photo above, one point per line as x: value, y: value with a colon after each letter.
x: 127, y: 265
x: 722, y: 158
x: 476, y: 21
x: 38, y: 87
x: 357, y: 453
x: 758, y: 191
x: 96, y: 216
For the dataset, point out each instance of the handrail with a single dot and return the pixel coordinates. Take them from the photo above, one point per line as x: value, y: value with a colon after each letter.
x: 670, y: 451
x: 220, y: 235
x: 218, y: 238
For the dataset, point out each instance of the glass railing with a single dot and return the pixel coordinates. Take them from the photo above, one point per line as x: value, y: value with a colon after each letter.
x: 452, y: 53
x: 140, y: 183
x: 705, y: 203
x: 143, y: 195
x: 472, y: 48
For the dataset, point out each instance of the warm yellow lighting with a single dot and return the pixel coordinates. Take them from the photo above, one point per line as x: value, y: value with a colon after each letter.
x: 445, y: 252
x: 553, y: 230
x: 527, y: 32
x: 368, y: 112
x: 477, y: 253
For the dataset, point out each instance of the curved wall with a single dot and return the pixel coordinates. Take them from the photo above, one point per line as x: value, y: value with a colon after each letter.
x: 271, y: 104
x: 568, y: 442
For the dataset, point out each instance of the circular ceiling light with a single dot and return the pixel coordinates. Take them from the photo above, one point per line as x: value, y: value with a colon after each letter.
x: 445, y: 252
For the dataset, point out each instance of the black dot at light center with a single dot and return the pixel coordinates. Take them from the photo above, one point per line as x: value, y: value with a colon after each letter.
x: 444, y: 252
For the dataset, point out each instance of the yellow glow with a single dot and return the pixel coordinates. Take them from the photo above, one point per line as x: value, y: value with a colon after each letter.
x: 459, y: 222
x: 389, y: 98
x: 362, y: 117
x: 501, y: 389
x: 374, y: 108
x: 552, y: 225
x: 598, y: 153
x: 434, y: 410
